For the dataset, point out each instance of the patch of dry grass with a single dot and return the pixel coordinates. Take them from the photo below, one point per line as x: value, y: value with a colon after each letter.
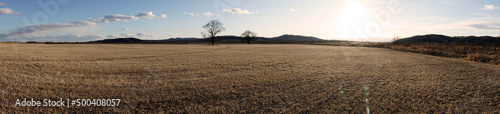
x: 244, y: 79
x: 486, y: 54
x: 361, y: 44
x: 12, y: 43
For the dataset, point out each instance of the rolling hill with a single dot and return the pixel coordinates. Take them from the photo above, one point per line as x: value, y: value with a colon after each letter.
x: 282, y: 38
x: 436, y: 38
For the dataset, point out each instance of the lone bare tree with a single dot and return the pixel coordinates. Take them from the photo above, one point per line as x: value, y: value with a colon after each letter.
x: 213, y: 28
x: 248, y: 36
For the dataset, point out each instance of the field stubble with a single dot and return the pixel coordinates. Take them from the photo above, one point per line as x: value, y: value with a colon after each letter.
x: 244, y: 79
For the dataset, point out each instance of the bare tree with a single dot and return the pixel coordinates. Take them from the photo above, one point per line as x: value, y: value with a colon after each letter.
x: 248, y: 36
x: 213, y: 28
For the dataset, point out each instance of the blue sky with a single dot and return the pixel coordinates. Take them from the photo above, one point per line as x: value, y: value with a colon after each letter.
x: 361, y: 20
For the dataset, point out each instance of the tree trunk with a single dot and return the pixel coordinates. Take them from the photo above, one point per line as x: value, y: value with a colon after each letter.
x: 213, y: 40
x: 248, y: 41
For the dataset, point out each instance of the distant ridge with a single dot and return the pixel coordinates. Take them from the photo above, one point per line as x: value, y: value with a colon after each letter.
x: 118, y: 40
x: 437, y: 38
x: 282, y: 38
x: 430, y: 38
x: 287, y: 37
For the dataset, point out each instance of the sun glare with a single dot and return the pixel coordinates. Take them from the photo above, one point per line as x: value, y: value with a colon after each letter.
x: 352, y: 14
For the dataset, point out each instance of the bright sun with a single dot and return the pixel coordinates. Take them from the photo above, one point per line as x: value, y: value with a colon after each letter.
x: 351, y: 15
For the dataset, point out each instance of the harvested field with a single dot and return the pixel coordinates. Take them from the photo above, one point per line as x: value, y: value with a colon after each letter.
x: 244, y: 79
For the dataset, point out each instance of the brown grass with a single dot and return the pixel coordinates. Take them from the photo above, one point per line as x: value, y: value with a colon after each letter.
x: 486, y: 54
x: 12, y: 43
x: 244, y: 79
x: 477, y: 57
x: 361, y: 44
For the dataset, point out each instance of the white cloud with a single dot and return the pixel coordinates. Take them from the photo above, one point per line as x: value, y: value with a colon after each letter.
x: 207, y: 14
x: 124, y: 18
x: 490, y: 7
x: 114, y: 17
x: 55, y: 26
x: 8, y: 11
x: 79, y: 37
x: 189, y: 13
x: 125, y: 29
x: 82, y: 23
x: 69, y: 37
x: 478, y: 25
x: 127, y: 35
x: 291, y: 9
x: 148, y: 15
x: 2, y: 4
x: 145, y: 35
x: 45, y: 27
x: 163, y: 15
x: 61, y: 37
x: 237, y: 11
x: 483, y: 22
x: 112, y: 36
x: 486, y: 26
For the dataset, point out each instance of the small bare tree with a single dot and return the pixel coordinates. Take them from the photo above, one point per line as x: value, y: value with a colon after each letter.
x: 248, y: 36
x: 213, y: 28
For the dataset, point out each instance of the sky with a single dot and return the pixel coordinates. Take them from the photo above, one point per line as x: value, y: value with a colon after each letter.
x: 355, y: 20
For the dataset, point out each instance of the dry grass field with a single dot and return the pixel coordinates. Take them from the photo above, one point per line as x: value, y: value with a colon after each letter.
x: 485, y: 54
x: 479, y: 53
x: 244, y: 79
